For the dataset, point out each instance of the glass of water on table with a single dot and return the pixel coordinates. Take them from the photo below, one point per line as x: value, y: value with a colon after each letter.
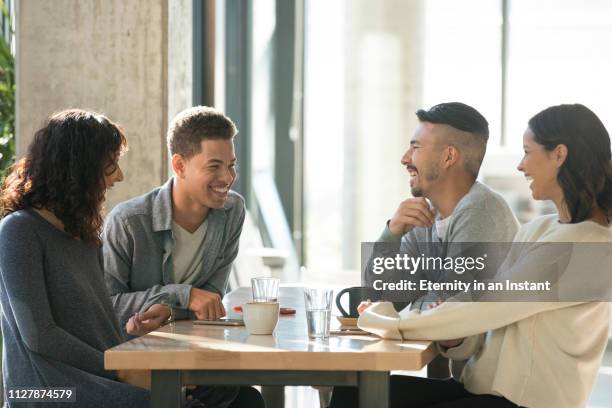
x: 265, y: 289
x: 318, y: 304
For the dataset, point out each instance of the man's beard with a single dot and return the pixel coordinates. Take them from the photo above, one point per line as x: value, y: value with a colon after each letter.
x: 430, y: 174
x: 417, y: 192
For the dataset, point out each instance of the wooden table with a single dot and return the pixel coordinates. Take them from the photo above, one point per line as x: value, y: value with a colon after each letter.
x: 184, y: 353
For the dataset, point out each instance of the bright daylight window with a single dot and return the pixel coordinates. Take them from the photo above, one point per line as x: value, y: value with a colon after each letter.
x: 558, y: 51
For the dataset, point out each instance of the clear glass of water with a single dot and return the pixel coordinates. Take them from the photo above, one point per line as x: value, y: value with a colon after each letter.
x: 318, y: 312
x: 265, y: 289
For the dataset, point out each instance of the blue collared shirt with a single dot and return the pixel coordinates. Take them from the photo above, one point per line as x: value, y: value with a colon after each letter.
x: 138, y: 246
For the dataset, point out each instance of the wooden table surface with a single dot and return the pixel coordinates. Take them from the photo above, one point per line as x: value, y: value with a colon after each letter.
x: 186, y: 353
x: 185, y: 345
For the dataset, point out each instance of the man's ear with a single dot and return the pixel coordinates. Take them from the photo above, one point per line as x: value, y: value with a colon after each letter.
x: 178, y: 165
x: 451, y: 156
x: 560, y: 154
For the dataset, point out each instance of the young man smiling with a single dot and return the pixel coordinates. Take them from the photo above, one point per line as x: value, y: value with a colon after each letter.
x: 449, y: 208
x: 176, y: 244
x: 448, y: 205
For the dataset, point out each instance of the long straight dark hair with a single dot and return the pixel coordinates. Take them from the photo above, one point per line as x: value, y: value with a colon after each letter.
x: 586, y: 175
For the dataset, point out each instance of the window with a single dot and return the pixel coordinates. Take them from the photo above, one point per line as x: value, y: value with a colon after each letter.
x: 462, y: 57
x: 370, y: 65
x: 560, y: 51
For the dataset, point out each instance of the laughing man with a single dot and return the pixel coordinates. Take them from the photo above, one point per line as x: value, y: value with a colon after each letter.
x: 448, y: 205
x: 176, y: 244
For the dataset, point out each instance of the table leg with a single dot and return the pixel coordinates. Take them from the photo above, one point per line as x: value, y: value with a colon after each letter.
x: 374, y: 389
x: 274, y: 396
x: 166, y: 389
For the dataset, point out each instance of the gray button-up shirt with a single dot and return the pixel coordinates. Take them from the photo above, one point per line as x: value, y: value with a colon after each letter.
x: 138, y: 246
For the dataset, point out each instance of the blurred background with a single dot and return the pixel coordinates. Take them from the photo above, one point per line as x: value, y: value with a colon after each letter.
x: 322, y: 91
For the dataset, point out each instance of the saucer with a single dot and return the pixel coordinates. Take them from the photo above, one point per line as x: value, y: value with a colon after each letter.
x: 347, y: 321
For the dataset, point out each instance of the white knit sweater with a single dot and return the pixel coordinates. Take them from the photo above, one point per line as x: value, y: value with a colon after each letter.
x: 543, y: 354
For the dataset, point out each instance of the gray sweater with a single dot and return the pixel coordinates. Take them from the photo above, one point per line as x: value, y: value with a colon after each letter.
x: 481, y: 216
x: 57, y: 318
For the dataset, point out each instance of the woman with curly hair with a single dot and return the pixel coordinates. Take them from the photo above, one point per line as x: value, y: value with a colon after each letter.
x: 57, y: 318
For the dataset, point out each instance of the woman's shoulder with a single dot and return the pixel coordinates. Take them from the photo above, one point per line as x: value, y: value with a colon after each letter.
x: 535, y: 228
x: 20, y: 228
x: 548, y: 228
x: 18, y: 222
x: 590, y: 231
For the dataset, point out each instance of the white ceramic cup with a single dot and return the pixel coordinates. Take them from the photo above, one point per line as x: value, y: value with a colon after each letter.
x: 260, y: 317
x: 262, y: 341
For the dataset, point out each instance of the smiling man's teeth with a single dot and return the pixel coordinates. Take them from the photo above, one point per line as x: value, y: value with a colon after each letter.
x: 529, y: 178
x: 220, y: 189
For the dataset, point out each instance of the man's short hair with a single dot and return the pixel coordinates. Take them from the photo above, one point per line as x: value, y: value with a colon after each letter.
x: 473, y: 143
x: 195, y: 124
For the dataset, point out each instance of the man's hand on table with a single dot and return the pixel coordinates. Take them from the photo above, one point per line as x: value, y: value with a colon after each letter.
x: 206, y: 305
x: 143, y: 323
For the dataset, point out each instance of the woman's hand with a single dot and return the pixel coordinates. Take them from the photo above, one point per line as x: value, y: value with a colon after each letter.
x: 435, y: 304
x: 143, y: 323
x: 137, y: 378
x: 363, y: 306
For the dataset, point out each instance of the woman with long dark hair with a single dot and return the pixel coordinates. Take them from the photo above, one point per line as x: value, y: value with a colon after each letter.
x: 57, y: 318
x: 526, y: 353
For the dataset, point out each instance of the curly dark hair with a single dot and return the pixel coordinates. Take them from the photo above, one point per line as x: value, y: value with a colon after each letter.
x: 586, y: 175
x: 63, y: 171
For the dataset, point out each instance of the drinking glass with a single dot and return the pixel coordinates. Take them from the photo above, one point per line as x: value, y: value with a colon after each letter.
x: 318, y: 311
x: 265, y: 289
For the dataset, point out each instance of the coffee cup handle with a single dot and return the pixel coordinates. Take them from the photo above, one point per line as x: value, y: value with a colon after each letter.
x: 338, y: 296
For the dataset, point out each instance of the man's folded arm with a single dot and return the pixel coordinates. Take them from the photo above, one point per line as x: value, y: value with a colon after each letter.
x: 390, y: 245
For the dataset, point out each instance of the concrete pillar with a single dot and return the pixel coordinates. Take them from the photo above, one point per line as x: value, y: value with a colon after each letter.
x: 111, y: 56
x: 383, y: 85
x: 180, y: 56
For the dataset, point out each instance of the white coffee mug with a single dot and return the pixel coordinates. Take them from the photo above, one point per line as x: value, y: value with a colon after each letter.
x: 260, y: 317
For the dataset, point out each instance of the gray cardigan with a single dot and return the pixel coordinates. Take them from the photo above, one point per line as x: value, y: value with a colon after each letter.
x: 138, y: 246
x: 57, y: 319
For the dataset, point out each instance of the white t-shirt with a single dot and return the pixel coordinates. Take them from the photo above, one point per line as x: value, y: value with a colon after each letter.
x: 188, y: 253
x: 442, y: 227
